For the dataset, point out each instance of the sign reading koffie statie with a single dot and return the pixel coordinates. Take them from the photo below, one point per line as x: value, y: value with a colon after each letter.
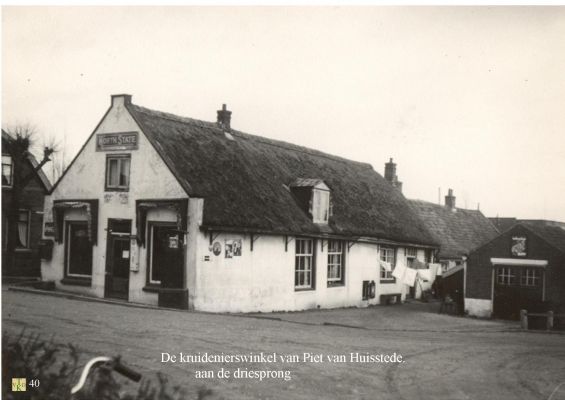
x: 116, y: 141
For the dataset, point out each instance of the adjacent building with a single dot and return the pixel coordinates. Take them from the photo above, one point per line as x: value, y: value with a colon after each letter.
x: 162, y: 209
x: 23, y: 260
x: 522, y: 268
x: 458, y: 231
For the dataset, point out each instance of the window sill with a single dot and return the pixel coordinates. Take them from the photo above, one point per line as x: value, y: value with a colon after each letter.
x: 23, y: 250
x: 77, y: 281
x: 336, y: 285
x: 304, y: 289
x: 151, y: 288
x: 387, y: 281
x: 116, y: 189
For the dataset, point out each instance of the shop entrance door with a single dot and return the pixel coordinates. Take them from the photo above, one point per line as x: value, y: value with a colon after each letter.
x: 118, y: 259
x: 167, y: 256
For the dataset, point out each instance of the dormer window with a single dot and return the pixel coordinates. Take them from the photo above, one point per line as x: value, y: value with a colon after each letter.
x: 320, y: 206
x: 313, y: 196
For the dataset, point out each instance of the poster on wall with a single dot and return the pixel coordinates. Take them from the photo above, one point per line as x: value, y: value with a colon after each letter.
x: 518, y: 248
x: 233, y: 248
x: 217, y: 248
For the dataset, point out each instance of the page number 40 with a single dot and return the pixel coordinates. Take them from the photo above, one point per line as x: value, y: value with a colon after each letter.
x: 19, y: 384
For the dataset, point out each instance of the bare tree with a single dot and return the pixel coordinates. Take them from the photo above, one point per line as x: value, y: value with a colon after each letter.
x: 21, y: 143
x: 59, y: 159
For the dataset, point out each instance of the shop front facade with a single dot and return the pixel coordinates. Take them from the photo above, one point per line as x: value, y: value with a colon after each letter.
x: 94, y: 212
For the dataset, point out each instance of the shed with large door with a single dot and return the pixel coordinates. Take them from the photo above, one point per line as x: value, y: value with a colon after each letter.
x: 523, y: 268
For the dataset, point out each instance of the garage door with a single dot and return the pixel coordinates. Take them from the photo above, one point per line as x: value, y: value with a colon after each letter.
x: 517, y: 288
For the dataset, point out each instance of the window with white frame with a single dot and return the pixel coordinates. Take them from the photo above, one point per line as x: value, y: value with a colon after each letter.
x: 410, y: 256
x: 530, y: 277
x: 304, y: 264
x: 7, y: 170
x: 336, y: 262
x: 388, y: 255
x: 22, y: 241
x: 320, y: 206
x: 117, y: 172
x: 505, y: 276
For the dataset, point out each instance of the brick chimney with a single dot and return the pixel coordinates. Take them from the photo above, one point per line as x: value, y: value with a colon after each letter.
x: 224, y: 118
x: 121, y: 99
x: 390, y: 175
x: 450, y: 200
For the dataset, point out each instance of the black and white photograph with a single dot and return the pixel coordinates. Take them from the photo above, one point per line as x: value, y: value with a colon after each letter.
x: 283, y: 201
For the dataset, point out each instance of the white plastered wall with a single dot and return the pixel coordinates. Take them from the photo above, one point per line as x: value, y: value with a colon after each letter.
x: 478, y: 307
x: 263, y: 279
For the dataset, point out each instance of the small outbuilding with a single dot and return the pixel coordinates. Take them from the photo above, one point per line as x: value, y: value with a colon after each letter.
x: 522, y: 268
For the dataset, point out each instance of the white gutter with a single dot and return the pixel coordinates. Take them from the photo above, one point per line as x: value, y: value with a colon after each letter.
x: 519, y: 262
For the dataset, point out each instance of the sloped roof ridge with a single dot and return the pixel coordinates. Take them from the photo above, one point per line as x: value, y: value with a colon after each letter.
x: 34, y: 163
x: 443, y: 206
x: 247, y: 136
x: 174, y: 117
x: 547, y: 233
x: 40, y: 173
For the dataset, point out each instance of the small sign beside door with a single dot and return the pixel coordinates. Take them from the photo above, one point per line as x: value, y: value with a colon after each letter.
x: 134, y: 260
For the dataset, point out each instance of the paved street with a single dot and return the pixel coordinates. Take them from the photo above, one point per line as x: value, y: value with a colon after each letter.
x: 444, y: 357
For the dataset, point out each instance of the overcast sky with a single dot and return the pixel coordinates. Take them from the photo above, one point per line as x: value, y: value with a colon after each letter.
x: 466, y: 98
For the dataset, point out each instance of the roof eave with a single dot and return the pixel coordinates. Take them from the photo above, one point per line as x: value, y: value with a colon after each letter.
x: 322, y: 235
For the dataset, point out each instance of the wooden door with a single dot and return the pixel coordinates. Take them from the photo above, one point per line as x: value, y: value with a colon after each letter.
x: 118, y: 259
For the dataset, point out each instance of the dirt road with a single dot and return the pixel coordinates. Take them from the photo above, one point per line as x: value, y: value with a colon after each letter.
x: 443, y: 357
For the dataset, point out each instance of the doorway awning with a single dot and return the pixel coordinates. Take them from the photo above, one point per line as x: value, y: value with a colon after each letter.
x: 91, y: 209
x: 179, y: 206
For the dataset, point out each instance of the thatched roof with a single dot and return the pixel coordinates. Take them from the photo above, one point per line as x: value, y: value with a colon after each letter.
x: 245, y: 182
x: 306, y: 182
x: 458, y: 232
x: 503, y: 224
